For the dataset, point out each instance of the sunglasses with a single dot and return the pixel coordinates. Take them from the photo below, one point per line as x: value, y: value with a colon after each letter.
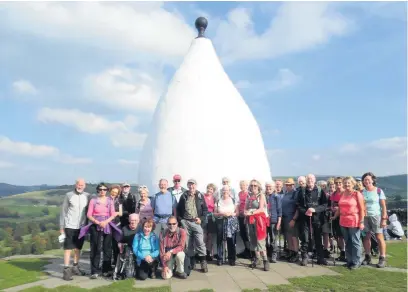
x: 338, y: 182
x: 176, y: 181
x: 254, y: 186
x: 99, y: 190
x: 171, y: 224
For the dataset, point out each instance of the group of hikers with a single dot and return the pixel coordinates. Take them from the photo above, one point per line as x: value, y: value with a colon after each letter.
x: 137, y: 234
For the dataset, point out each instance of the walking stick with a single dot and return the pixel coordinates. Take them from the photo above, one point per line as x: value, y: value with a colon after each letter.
x: 279, y: 244
x: 311, y: 236
x: 334, y: 256
x: 224, y: 239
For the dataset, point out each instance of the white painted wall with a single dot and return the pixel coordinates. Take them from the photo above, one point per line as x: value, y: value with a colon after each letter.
x: 202, y: 128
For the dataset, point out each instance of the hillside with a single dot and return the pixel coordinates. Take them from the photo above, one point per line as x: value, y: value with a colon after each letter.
x: 8, y: 190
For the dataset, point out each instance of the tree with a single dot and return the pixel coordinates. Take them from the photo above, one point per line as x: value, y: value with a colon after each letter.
x: 46, y: 211
x: 38, y: 246
x: 26, y: 248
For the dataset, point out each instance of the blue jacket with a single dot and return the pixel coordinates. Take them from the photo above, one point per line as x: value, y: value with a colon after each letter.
x: 274, y: 207
x: 138, y: 243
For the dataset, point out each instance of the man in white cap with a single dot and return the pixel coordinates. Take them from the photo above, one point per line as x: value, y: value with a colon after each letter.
x: 234, y: 195
x: 128, y: 201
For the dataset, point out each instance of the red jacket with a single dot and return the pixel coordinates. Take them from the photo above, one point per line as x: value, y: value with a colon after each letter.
x: 261, y: 222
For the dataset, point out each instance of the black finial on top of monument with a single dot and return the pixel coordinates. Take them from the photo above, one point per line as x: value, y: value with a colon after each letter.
x: 201, y: 24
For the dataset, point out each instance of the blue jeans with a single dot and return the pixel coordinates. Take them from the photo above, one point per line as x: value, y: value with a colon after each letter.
x: 353, y: 245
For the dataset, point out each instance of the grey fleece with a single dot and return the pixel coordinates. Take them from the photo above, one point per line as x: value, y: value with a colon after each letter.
x: 73, y: 210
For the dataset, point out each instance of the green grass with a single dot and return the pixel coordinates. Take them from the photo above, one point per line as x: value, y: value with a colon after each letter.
x: 125, y: 285
x: 20, y: 271
x: 397, y: 254
x: 364, y: 279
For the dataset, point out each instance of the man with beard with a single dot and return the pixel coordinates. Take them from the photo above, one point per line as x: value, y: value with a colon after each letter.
x: 312, y: 204
x: 128, y: 202
x: 72, y: 218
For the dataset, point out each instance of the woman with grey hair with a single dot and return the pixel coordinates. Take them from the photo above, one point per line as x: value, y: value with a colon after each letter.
x: 226, y: 212
x: 256, y: 212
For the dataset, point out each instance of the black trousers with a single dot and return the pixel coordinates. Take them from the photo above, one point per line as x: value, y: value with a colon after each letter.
x: 243, y: 232
x: 146, y: 269
x: 271, y: 239
x: 231, y: 242
x: 115, y: 251
x: 100, y: 243
x: 305, y: 237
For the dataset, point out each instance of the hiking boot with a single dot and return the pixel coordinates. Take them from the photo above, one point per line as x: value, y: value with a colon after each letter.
x: 342, y: 257
x: 326, y: 254
x: 219, y: 262
x: 367, y: 260
x: 204, y: 266
x: 192, y: 263
x: 381, y: 262
x: 254, y: 263
x: 322, y: 262
x: 94, y: 277
x: 77, y: 271
x: 266, y: 265
x: 274, y: 258
x: 107, y: 274
x: 181, y: 275
x: 231, y: 262
x: 305, y: 260
x: 353, y: 267
x: 67, y: 274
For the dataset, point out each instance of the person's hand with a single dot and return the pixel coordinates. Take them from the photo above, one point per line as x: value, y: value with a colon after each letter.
x: 103, y: 224
x: 383, y: 223
x: 62, y: 231
x: 246, y: 213
x: 148, y: 259
x: 167, y: 256
x: 308, y: 213
x: 312, y: 210
x: 361, y: 226
x: 198, y: 220
x: 278, y: 226
x: 292, y: 223
x: 333, y: 218
x: 335, y: 208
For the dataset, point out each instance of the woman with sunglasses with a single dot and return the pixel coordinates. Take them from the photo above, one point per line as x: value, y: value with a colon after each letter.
x: 144, y: 207
x: 256, y: 213
x: 101, y: 212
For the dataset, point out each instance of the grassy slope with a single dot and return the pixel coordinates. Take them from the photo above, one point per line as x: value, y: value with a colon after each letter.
x: 20, y: 271
x: 397, y: 254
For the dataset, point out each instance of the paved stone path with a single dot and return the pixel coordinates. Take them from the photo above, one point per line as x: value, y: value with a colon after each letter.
x: 224, y: 278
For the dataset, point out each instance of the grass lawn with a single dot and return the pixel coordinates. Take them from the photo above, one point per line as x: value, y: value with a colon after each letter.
x: 364, y: 279
x: 397, y: 254
x: 20, y: 271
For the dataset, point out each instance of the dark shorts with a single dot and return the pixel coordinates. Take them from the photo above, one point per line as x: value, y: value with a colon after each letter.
x: 71, y: 239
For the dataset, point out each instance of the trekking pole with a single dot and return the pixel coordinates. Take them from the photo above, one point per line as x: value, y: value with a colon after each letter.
x: 311, y: 237
x: 279, y: 244
x: 331, y: 230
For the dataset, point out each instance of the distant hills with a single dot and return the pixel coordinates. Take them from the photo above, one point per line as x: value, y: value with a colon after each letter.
x: 394, y: 185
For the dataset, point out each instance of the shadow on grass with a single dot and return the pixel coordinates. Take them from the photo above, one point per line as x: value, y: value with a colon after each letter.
x: 29, y: 265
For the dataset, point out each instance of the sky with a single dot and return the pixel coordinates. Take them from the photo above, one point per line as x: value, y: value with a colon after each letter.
x: 79, y: 82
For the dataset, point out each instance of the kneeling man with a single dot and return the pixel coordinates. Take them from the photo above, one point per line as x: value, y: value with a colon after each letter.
x: 172, y: 244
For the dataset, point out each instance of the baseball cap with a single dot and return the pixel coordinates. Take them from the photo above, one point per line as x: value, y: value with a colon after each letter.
x: 177, y: 177
x: 125, y: 185
x: 192, y: 181
x: 290, y: 181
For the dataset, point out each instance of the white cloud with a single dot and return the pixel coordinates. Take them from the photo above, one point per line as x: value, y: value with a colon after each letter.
x: 128, y: 140
x: 121, y: 133
x: 26, y: 149
x: 124, y: 89
x: 85, y: 122
x: 119, y: 26
x: 383, y: 157
x: 24, y: 87
x: 5, y: 164
x: 128, y: 162
x: 296, y: 27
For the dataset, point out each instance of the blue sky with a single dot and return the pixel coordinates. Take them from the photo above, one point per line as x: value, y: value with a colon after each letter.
x: 325, y: 81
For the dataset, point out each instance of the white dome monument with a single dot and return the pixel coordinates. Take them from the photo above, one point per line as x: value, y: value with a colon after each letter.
x: 202, y: 128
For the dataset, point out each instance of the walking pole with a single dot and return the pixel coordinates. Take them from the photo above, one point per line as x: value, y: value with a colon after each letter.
x: 334, y: 256
x: 311, y: 236
x: 224, y: 240
x: 279, y: 244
